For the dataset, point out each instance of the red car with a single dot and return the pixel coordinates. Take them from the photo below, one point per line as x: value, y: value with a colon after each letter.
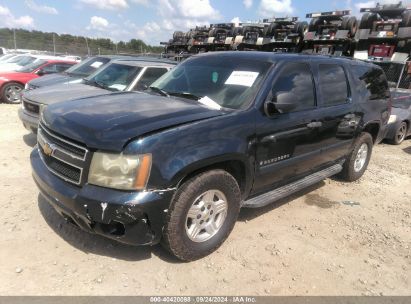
x: 12, y: 83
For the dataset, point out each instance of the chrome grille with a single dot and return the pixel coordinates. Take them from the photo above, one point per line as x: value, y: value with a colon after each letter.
x: 62, y: 157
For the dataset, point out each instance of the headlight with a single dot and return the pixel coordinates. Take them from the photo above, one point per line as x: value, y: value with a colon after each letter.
x: 393, y: 118
x: 125, y: 172
x: 26, y: 87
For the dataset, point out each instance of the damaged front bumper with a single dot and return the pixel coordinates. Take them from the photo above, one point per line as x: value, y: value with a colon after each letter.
x: 135, y: 218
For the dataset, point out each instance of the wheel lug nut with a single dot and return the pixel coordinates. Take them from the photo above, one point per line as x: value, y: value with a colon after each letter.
x: 198, y: 216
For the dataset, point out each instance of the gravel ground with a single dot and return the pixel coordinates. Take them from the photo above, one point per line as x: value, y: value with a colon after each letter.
x: 332, y: 239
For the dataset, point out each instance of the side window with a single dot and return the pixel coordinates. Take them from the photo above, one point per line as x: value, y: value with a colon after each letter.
x: 61, y: 67
x: 333, y: 84
x: 50, y: 68
x: 149, y: 76
x: 295, y: 85
x: 374, y: 81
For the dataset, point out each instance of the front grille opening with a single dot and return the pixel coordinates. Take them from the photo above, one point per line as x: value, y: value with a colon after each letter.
x: 31, y: 107
x: 62, y: 168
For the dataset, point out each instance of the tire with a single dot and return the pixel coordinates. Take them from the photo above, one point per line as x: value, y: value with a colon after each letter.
x: 179, y: 225
x: 344, y: 23
x: 301, y: 28
x: 406, y: 19
x: 314, y: 23
x: 400, y: 134
x: 352, y: 26
x: 178, y: 34
x: 10, y: 92
x: 270, y: 32
x: 352, y: 170
x: 367, y: 20
x: 238, y: 31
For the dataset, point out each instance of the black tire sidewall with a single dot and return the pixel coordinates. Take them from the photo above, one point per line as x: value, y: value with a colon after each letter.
x: 353, y: 175
x: 180, y: 244
x: 396, y: 141
x: 3, y: 92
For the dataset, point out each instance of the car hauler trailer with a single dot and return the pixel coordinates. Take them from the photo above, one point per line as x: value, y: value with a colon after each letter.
x: 220, y: 36
x: 248, y: 36
x: 331, y: 33
x: 283, y: 35
x: 385, y: 33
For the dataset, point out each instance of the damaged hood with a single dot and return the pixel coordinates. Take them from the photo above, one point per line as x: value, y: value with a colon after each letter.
x: 108, y: 122
x: 62, y: 92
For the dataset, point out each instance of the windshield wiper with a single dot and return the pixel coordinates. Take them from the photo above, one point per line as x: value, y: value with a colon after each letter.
x: 97, y: 84
x: 185, y: 95
x: 160, y: 91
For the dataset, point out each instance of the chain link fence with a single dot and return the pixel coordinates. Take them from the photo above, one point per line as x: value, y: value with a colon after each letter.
x: 398, y: 74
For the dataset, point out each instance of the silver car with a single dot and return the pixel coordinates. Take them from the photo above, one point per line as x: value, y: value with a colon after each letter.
x: 120, y: 75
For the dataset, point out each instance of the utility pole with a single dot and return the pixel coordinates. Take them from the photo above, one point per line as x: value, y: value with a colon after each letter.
x: 99, y: 51
x: 15, y: 42
x: 116, y: 48
x: 54, y: 44
x: 88, y: 49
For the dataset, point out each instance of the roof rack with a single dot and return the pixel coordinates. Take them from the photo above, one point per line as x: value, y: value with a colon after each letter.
x: 329, y: 14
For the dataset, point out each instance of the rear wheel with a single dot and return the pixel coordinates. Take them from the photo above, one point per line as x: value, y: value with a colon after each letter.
x: 301, y: 28
x: 357, y: 161
x: 11, y: 92
x: 314, y: 24
x: 400, y: 134
x: 352, y: 26
x: 367, y: 20
x: 202, y: 215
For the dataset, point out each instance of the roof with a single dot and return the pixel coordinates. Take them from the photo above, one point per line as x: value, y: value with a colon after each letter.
x: 274, y: 57
x: 144, y: 63
x: 135, y: 57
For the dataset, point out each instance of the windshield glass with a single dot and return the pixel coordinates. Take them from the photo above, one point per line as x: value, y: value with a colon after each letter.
x: 115, y: 76
x: 32, y: 66
x: 7, y: 57
x: 87, y: 67
x: 22, y: 60
x: 229, y: 82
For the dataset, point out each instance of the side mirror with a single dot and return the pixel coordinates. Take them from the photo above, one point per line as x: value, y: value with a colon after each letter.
x: 40, y: 72
x: 282, y: 102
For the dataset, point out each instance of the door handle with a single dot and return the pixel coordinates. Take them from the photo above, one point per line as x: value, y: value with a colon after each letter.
x: 314, y: 125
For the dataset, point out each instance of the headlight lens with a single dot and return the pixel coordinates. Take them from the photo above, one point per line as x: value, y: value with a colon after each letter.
x: 393, y: 118
x: 124, y: 172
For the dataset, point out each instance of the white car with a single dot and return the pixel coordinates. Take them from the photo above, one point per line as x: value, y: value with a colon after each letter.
x: 19, y: 61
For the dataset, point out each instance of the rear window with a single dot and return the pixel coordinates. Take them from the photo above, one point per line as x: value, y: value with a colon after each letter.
x: 373, y: 80
x: 333, y: 84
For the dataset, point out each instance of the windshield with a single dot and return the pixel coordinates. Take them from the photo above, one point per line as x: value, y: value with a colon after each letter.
x: 22, y: 60
x: 114, y: 77
x: 87, y: 67
x: 32, y: 66
x: 7, y: 57
x: 229, y: 82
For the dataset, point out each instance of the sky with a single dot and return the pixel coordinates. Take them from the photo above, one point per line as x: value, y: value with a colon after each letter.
x: 153, y: 20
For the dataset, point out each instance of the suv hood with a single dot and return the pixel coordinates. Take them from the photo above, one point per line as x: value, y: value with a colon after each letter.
x: 108, y: 122
x: 62, y: 92
x: 52, y: 79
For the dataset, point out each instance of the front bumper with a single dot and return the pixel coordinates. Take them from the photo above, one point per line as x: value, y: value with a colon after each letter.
x: 134, y: 218
x: 30, y: 122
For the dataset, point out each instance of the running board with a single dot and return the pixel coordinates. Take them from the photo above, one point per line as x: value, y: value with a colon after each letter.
x: 279, y: 193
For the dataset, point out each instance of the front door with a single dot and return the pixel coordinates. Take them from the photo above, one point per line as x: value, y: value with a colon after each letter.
x: 288, y: 145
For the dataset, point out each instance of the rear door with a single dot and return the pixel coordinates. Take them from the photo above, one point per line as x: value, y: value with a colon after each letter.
x: 287, y: 143
x: 337, y: 114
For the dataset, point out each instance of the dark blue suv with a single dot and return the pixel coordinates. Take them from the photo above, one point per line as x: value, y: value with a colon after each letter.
x: 219, y: 132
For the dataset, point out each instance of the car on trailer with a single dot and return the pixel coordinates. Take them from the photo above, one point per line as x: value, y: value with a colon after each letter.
x: 197, y: 39
x: 383, y: 31
x: 248, y: 36
x: 221, y: 35
x: 331, y: 33
x: 177, y: 45
x: 283, y: 35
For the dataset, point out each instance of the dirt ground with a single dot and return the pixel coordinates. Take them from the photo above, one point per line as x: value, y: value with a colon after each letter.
x: 333, y: 239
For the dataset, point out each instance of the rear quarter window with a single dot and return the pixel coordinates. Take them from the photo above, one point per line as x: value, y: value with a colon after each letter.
x: 372, y: 82
x: 333, y: 84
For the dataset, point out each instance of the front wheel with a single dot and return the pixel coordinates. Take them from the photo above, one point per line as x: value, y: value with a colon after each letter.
x: 357, y: 161
x: 11, y: 92
x: 202, y: 215
x: 400, y: 134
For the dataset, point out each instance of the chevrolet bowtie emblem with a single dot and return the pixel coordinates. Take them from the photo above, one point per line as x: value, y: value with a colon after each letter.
x: 47, y: 149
